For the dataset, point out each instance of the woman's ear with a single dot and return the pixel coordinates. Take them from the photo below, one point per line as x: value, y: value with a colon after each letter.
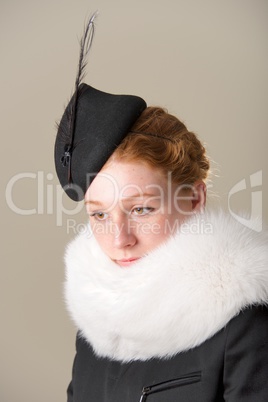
x: 199, y: 196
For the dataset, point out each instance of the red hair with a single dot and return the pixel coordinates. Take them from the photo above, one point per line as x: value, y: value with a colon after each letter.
x: 163, y: 141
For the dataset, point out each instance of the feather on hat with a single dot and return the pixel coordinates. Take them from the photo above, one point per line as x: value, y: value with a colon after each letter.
x: 92, y: 126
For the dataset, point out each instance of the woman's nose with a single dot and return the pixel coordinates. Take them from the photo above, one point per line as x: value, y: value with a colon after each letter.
x: 124, y: 236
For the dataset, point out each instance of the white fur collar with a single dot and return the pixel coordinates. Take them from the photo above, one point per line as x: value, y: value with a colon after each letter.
x: 171, y: 300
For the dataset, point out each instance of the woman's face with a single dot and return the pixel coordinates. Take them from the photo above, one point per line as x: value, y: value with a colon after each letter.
x: 133, y: 208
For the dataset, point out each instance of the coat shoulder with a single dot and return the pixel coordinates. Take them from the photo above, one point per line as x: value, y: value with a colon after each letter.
x: 245, y: 361
x: 251, y: 321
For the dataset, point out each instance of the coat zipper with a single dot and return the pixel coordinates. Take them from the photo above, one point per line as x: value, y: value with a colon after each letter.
x: 163, y: 386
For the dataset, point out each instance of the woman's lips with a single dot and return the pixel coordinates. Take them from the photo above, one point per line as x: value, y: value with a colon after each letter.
x: 126, y: 262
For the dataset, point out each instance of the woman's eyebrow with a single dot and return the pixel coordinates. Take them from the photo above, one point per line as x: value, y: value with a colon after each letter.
x: 139, y: 196
x: 127, y: 197
x: 93, y: 202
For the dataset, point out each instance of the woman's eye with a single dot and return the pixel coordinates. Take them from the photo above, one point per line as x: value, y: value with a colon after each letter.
x: 100, y: 216
x: 142, y: 210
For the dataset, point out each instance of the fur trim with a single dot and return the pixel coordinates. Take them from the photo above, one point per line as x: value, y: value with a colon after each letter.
x: 173, y: 299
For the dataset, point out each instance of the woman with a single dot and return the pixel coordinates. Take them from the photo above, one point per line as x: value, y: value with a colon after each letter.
x: 170, y: 301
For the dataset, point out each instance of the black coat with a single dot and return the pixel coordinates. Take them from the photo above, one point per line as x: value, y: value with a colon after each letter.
x: 231, y: 366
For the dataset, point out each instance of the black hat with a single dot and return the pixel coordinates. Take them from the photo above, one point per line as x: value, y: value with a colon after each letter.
x: 102, y: 122
x: 92, y: 126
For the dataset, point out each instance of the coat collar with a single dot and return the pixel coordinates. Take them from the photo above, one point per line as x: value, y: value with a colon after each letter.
x: 173, y: 299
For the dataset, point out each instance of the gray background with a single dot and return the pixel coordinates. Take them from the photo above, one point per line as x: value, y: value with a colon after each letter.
x: 206, y: 61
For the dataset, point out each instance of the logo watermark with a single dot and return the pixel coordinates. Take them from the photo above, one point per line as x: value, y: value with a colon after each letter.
x: 50, y: 197
x: 254, y: 221
x: 200, y: 226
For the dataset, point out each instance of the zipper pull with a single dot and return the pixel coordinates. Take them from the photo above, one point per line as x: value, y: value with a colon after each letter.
x: 145, y: 392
